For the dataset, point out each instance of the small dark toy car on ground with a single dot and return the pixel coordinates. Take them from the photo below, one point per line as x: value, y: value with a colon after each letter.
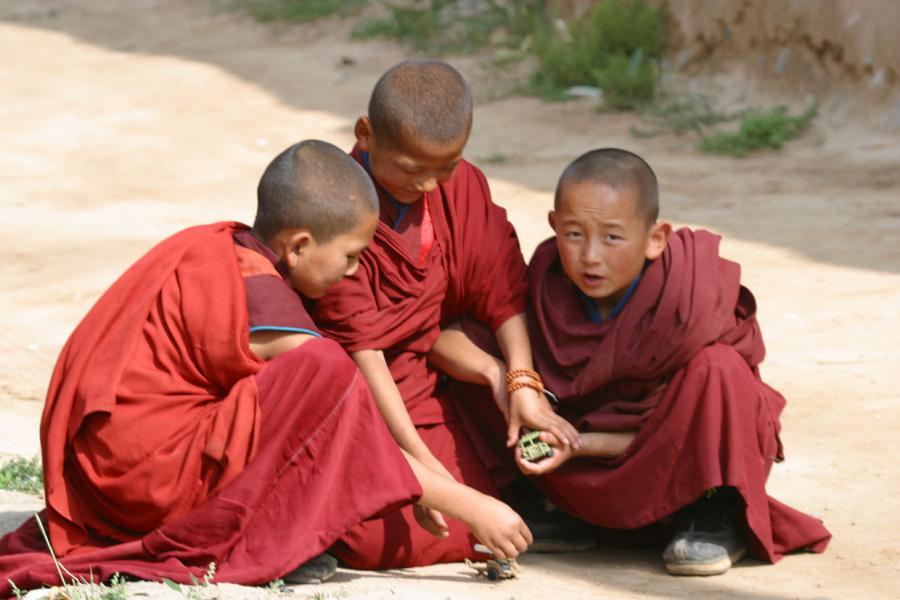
x: 494, y: 568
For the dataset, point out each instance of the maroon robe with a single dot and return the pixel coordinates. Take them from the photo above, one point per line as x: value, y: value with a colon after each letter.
x: 396, y: 302
x: 168, y: 444
x: 679, y: 365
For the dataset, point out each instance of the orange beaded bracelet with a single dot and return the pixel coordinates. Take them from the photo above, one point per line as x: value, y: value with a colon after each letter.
x: 518, y: 385
x: 511, y: 375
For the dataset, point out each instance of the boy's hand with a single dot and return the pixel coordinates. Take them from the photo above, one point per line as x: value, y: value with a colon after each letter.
x: 500, y: 528
x: 431, y: 521
x: 528, y: 408
x: 561, y: 454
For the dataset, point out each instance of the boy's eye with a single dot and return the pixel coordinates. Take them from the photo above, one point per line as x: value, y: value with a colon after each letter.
x: 613, y: 237
x: 573, y: 235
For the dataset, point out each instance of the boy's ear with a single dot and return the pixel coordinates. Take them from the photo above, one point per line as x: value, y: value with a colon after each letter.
x: 363, y: 132
x: 659, y: 238
x: 297, y: 246
x: 551, y: 218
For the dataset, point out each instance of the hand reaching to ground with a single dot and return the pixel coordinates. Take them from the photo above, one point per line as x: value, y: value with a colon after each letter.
x: 499, y: 527
x: 492, y: 522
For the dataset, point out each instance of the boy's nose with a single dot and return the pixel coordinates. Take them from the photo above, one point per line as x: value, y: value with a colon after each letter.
x: 592, y: 254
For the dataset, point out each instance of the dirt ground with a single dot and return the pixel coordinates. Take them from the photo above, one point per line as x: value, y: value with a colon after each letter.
x: 120, y: 127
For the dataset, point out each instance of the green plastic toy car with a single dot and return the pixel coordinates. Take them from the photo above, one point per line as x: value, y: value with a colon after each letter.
x: 533, y: 449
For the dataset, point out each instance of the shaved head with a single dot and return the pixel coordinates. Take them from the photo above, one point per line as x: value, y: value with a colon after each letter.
x: 315, y: 186
x: 425, y: 100
x: 617, y: 169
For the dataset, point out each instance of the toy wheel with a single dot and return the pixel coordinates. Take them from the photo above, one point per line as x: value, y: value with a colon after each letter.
x: 493, y: 575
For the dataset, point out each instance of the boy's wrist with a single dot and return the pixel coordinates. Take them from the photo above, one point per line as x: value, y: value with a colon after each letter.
x: 493, y: 374
x: 470, y: 503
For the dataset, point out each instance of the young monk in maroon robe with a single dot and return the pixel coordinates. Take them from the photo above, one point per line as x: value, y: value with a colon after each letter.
x: 652, y: 346
x: 441, y: 248
x: 196, y: 415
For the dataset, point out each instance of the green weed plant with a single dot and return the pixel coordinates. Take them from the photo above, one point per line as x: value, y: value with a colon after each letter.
x: 22, y: 475
x: 616, y: 47
x: 760, y: 129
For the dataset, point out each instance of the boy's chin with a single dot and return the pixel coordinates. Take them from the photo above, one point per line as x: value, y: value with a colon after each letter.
x: 593, y: 294
x: 590, y: 292
x: 406, y: 197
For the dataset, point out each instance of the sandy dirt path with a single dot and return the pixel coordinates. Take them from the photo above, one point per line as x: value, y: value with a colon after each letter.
x: 121, y: 127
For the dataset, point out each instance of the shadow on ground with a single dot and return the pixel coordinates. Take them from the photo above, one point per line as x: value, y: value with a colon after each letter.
x: 11, y: 520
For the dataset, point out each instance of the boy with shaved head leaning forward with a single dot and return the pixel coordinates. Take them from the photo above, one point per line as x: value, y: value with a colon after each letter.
x: 652, y: 345
x: 197, y: 415
x: 442, y: 249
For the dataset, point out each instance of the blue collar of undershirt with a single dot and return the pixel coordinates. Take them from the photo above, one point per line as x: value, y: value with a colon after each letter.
x: 401, y: 208
x: 592, y: 312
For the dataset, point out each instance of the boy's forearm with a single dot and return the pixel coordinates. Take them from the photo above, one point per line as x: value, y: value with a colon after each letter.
x: 512, y: 336
x: 458, y: 356
x: 607, y: 444
x: 390, y: 403
x: 443, y: 494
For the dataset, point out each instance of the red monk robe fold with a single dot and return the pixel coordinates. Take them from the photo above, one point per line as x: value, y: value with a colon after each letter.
x: 680, y: 365
x: 167, y: 444
x: 396, y: 302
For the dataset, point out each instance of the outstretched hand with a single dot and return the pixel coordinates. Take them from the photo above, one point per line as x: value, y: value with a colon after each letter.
x: 528, y: 408
x: 500, y: 528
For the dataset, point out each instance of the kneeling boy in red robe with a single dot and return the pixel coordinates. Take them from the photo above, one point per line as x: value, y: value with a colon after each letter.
x: 652, y: 346
x: 442, y: 248
x: 197, y: 416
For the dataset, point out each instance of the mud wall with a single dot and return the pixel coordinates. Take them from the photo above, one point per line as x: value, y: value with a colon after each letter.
x: 809, y: 41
